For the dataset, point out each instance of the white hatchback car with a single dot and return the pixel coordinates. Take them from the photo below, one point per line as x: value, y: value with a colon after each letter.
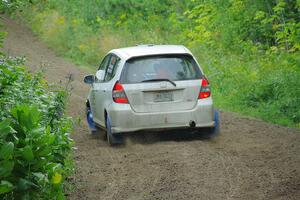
x: 149, y: 87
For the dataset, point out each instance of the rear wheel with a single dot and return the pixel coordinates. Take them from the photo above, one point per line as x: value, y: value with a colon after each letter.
x: 112, y: 139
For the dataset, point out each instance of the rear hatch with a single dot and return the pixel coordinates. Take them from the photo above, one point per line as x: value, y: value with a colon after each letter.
x: 161, y: 83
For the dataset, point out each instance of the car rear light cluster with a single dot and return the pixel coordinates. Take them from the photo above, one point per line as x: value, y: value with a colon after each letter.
x: 118, y: 94
x: 205, y: 89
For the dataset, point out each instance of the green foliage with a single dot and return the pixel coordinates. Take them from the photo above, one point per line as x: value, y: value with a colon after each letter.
x: 9, y: 6
x: 229, y: 23
x: 249, y: 49
x: 2, y: 36
x: 34, y: 142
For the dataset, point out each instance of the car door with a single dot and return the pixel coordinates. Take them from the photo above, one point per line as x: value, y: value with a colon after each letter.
x: 103, y: 90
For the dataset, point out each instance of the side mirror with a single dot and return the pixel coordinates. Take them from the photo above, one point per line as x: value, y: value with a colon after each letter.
x: 89, y: 79
x: 100, y: 75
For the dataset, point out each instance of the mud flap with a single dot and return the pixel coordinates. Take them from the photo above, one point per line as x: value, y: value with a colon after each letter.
x: 90, y: 121
x: 113, y: 139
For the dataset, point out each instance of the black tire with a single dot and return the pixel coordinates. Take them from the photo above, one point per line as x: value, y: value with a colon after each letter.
x: 112, y: 139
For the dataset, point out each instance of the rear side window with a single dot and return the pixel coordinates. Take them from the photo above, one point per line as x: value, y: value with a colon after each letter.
x: 172, y: 67
x: 111, y: 68
x: 104, y: 63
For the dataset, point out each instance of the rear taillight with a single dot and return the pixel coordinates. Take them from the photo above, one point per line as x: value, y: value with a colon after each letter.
x: 205, y: 89
x: 118, y: 94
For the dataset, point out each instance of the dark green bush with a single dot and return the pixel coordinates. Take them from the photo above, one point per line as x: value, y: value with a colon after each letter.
x: 34, y: 135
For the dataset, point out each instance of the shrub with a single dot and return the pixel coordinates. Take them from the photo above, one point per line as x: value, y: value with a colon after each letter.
x: 34, y: 135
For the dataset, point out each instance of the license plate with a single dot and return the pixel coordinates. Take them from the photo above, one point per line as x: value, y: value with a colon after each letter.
x: 163, y: 96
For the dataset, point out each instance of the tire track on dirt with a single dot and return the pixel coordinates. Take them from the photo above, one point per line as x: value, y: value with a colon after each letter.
x: 250, y: 159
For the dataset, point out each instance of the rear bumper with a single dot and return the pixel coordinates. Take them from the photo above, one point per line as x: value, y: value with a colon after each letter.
x: 124, y: 119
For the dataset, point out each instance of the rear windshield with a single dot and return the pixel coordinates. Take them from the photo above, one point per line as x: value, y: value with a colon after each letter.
x: 172, y: 67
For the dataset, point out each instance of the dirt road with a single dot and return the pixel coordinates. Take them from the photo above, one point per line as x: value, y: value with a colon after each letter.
x: 250, y: 159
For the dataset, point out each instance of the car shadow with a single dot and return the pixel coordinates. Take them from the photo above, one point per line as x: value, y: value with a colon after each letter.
x: 151, y: 137
x: 164, y: 136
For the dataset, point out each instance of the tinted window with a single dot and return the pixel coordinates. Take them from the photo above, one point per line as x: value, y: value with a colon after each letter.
x: 173, y: 67
x: 104, y: 63
x: 111, y: 68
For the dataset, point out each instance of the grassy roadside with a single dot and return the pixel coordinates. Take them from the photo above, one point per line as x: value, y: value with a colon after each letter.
x: 257, y: 80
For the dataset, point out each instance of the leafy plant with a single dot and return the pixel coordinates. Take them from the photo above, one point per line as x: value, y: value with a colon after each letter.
x: 34, y: 142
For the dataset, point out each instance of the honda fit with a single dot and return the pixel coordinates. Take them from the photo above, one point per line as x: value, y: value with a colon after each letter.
x: 149, y: 87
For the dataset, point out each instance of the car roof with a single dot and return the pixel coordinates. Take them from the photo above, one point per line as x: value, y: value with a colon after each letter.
x: 149, y: 49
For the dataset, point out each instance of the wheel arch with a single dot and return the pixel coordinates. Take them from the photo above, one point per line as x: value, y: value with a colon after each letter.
x: 87, y: 103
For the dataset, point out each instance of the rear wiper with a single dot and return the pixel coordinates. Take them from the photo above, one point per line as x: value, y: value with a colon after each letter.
x: 160, y: 79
